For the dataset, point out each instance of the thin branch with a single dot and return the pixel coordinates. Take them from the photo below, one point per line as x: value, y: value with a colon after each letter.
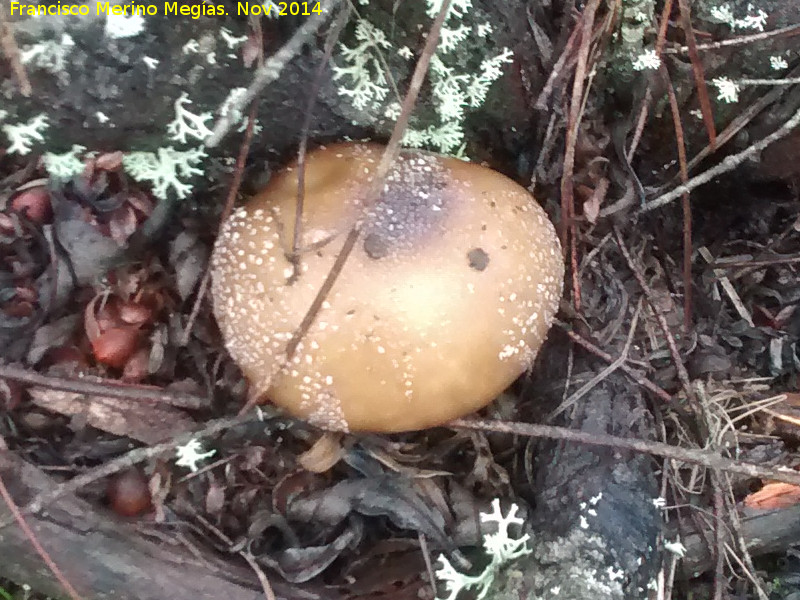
x: 558, y: 71
x: 594, y: 381
x: 728, y: 164
x: 683, y: 375
x: 130, y: 459
x: 103, y: 387
x: 743, y: 40
x: 262, y: 577
x: 697, y: 71
x: 648, y: 96
x: 735, y: 126
x: 567, y: 229
x: 26, y: 529
x: 780, y: 81
x: 704, y: 458
x: 330, y: 42
x: 720, y: 581
x: 233, y: 190
x: 272, y: 69
x: 630, y: 372
x: 687, y: 211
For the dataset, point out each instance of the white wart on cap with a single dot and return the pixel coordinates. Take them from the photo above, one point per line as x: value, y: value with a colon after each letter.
x: 444, y: 301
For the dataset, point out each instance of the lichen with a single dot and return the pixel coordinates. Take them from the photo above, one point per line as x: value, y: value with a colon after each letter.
x: 462, y: 71
x: 187, y: 122
x: 123, y: 26
x: 23, y: 135
x: 501, y: 547
x: 66, y: 165
x: 50, y: 55
x: 164, y: 169
x: 191, y: 453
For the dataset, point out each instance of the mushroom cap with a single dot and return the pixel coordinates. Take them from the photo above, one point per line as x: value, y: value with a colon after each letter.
x: 444, y: 301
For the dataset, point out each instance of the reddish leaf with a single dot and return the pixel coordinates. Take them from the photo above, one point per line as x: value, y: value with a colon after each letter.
x: 115, y: 346
x: 35, y: 204
x: 774, y: 495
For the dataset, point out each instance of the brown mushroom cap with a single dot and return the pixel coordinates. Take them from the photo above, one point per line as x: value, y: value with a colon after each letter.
x: 444, y: 301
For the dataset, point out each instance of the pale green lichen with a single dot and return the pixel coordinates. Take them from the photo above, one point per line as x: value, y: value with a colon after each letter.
x: 647, y: 61
x: 191, y: 453
x: 231, y: 40
x: 501, y: 547
x: 363, y: 79
x: 23, y: 135
x: 778, y: 63
x: 754, y: 20
x: 123, y: 26
x: 455, y: 89
x: 727, y: 89
x: 165, y: 169
x: 50, y: 55
x: 187, y: 122
x: 66, y: 165
x: 458, y: 8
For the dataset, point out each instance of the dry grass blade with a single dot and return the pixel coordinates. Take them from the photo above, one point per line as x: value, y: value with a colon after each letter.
x: 687, y: 212
x: 699, y: 75
x: 12, y: 506
x: 567, y: 229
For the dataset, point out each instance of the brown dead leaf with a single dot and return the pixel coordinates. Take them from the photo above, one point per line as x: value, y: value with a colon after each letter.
x: 324, y: 454
x: 774, y: 495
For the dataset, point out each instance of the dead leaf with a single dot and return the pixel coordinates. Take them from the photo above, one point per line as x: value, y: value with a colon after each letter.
x: 89, y: 251
x: 188, y: 256
x: 324, y: 454
x: 299, y: 565
x: 774, y: 495
x: 47, y: 337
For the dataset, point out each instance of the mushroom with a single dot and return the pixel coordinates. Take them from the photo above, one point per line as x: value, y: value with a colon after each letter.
x: 443, y: 302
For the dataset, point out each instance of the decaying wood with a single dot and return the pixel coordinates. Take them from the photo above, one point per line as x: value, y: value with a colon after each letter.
x: 144, y: 421
x: 763, y: 531
x: 104, y: 558
x: 594, y: 523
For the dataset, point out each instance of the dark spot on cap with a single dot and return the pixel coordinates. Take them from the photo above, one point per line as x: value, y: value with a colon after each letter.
x: 478, y: 259
x: 376, y: 246
x: 413, y: 203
